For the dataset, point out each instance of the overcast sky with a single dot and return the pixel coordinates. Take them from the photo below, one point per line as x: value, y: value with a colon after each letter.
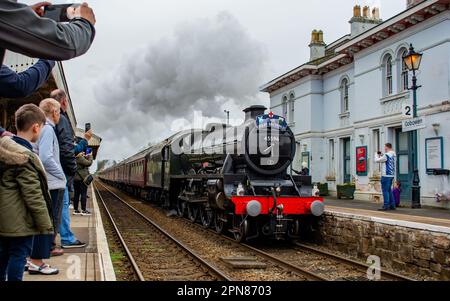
x: 154, y: 62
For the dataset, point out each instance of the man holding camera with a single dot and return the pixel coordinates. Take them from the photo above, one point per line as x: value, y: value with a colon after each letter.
x: 23, y: 30
x: 387, y: 175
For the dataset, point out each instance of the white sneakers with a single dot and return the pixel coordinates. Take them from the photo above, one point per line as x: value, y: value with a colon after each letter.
x: 44, y: 269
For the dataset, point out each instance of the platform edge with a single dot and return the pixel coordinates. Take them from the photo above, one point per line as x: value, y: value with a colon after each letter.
x: 104, y: 257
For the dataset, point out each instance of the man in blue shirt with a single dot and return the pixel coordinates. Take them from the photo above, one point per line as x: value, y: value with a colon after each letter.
x: 388, y: 172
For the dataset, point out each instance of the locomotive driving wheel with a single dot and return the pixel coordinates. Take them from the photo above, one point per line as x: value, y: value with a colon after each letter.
x: 240, y: 229
x: 220, y: 224
x: 294, y: 228
x: 181, y: 208
x: 206, y: 216
x: 193, y: 212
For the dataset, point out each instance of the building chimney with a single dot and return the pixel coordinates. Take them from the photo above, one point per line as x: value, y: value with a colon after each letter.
x: 356, y: 11
x: 366, y: 12
x: 361, y: 23
x: 376, y: 13
x: 317, y: 46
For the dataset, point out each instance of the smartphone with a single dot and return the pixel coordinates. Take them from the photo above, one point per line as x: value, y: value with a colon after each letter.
x: 58, y: 12
x: 88, y: 151
x: 87, y: 127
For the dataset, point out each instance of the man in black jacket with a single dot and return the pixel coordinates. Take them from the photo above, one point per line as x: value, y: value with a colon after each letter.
x: 22, y: 30
x: 67, y: 151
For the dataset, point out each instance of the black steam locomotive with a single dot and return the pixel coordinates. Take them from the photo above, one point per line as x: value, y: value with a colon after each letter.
x: 234, y: 179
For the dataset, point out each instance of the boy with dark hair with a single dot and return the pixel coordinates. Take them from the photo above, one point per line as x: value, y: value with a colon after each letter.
x: 25, y: 203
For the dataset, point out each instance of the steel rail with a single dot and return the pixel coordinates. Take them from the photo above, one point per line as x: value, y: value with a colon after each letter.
x: 361, y: 266
x: 294, y: 268
x: 130, y: 256
x: 211, y: 268
x: 284, y: 264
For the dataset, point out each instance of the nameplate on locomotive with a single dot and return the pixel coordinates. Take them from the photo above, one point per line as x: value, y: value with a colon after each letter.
x: 271, y: 121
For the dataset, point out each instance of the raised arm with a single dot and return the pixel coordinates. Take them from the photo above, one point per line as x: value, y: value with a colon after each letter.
x: 23, y: 84
x: 380, y: 159
x: 23, y: 31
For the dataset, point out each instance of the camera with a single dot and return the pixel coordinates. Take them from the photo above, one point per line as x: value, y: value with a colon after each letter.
x: 58, y: 12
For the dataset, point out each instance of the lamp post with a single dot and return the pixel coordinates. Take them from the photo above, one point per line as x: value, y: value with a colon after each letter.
x: 412, y: 61
x: 228, y: 116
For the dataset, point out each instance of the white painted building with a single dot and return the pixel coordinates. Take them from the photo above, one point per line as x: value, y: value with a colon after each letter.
x: 351, y: 94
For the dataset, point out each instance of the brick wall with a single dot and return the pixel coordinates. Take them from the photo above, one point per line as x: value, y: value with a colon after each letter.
x: 410, y: 250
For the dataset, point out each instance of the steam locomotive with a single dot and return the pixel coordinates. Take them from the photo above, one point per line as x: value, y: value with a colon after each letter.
x: 233, y: 179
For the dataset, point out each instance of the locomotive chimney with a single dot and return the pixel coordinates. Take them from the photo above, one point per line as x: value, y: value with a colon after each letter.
x: 254, y: 111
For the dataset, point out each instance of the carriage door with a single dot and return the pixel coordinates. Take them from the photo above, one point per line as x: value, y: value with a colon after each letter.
x: 346, y: 159
x: 404, y: 162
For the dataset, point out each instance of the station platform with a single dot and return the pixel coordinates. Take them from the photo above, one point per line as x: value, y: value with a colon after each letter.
x: 433, y: 219
x: 91, y: 263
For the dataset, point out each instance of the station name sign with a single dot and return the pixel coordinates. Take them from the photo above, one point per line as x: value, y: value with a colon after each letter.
x: 413, y: 124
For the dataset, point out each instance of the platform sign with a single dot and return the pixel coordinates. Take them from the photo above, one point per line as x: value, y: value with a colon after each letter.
x: 407, y: 110
x: 413, y: 124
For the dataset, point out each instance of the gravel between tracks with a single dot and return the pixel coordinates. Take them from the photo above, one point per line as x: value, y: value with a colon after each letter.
x: 158, y: 257
x: 212, y: 247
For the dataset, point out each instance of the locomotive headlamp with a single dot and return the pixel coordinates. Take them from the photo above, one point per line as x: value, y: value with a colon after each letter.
x: 317, y: 208
x: 253, y: 208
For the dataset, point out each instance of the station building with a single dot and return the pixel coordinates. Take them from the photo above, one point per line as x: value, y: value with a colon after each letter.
x: 347, y: 101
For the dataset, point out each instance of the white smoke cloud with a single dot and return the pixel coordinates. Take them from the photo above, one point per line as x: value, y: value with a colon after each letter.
x: 207, y: 65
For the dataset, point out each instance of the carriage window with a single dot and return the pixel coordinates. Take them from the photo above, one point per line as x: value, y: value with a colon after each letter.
x: 165, y: 153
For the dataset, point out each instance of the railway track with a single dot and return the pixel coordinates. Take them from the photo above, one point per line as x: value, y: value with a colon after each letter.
x: 280, y: 269
x: 385, y: 275
x: 307, y: 262
x: 153, y: 253
x: 319, y: 264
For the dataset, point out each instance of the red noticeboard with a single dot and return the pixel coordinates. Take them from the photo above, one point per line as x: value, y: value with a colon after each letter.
x: 361, y: 161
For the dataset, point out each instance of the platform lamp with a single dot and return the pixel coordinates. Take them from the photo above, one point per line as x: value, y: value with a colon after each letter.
x: 412, y: 61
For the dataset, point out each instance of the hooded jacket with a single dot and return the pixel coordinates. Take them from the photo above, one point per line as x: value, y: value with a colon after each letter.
x: 25, y: 203
x: 83, y: 164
